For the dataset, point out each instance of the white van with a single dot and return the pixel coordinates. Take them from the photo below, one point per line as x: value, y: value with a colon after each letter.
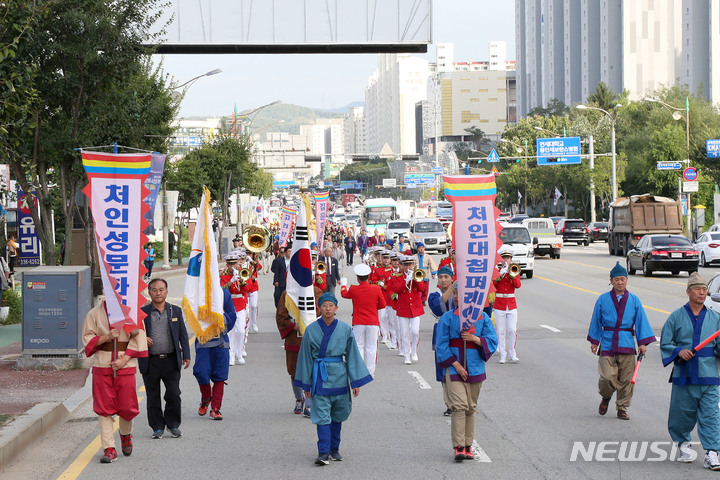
x: 543, y: 230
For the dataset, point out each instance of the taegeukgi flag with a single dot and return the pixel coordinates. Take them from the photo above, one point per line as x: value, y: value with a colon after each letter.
x: 300, y: 297
x: 475, y: 240
x: 203, y: 299
x: 116, y: 191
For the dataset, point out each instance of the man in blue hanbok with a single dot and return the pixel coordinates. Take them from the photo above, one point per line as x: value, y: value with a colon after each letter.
x: 617, y: 318
x: 462, y: 355
x: 695, y: 380
x: 329, y: 365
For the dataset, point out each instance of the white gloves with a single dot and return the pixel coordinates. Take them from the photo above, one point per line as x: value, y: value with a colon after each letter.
x: 504, y: 270
x: 343, y: 282
x: 381, y: 284
x: 235, y: 277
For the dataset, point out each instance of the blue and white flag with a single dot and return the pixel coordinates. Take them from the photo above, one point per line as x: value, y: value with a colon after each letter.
x: 556, y: 196
x: 203, y: 299
x: 300, y: 296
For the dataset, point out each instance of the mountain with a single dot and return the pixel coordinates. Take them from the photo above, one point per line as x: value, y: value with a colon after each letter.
x: 287, y: 118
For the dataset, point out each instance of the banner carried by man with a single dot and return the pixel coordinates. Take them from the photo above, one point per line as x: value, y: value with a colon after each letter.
x: 287, y: 218
x: 322, y: 201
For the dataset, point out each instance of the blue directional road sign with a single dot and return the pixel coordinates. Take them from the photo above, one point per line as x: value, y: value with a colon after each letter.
x: 713, y: 148
x: 559, y: 151
x: 437, y: 169
x: 427, y: 179
x: 493, y: 157
x: 669, y: 165
x: 690, y: 174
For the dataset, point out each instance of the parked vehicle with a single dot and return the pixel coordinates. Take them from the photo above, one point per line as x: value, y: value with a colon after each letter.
x: 661, y: 252
x: 556, y: 220
x: 504, y: 217
x: 543, y: 230
x: 597, y: 231
x: 430, y: 232
x: 396, y: 227
x: 708, y: 244
x: 517, y: 237
x: 517, y: 219
x: 573, y: 230
x: 638, y: 215
x: 712, y: 301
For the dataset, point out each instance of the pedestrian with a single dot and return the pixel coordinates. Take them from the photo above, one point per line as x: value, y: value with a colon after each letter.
x: 114, y: 353
x: 330, y: 366
x: 462, y: 355
x: 212, y: 363
x: 338, y: 254
x: 409, y: 308
x: 149, y: 259
x: 505, y: 307
x: 695, y: 379
x: 368, y: 301
x: 13, y: 250
x: 280, y: 267
x: 618, y: 316
x: 333, y: 270
x: 168, y: 353
x: 171, y: 244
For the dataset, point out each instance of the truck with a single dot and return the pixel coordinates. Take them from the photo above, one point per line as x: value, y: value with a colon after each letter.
x: 406, y: 209
x: 637, y: 215
x: 546, y: 241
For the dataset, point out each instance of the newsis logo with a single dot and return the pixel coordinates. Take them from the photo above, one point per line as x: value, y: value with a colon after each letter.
x: 627, y: 451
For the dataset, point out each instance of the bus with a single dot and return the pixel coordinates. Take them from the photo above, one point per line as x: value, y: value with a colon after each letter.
x: 378, y: 212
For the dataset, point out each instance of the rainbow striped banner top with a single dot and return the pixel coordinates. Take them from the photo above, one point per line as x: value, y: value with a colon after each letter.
x: 469, y: 187
x: 288, y: 210
x: 116, y: 164
x: 322, y: 195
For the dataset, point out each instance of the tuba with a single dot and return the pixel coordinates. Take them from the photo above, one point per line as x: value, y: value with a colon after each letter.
x: 320, y: 268
x: 419, y: 275
x: 514, y: 270
x: 256, y: 238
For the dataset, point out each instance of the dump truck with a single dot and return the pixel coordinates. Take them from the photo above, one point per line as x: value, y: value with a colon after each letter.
x: 638, y: 215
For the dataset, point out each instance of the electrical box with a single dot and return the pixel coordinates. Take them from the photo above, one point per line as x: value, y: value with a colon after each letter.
x: 55, y: 301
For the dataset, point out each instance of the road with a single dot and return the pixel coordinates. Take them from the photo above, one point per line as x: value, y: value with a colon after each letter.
x: 530, y: 414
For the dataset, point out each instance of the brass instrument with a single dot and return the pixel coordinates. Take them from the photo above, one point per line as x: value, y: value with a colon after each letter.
x: 257, y: 238
x: 419, y: 275
x: 320, y: 268
x: 245, y: 274
x: 514, y: 270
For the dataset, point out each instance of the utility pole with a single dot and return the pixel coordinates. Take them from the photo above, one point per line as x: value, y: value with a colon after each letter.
x: 591, y: 152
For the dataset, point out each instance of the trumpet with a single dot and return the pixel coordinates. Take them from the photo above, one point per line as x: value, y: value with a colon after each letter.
x: 514, y: 270
x: 419, y: 275
x: 245, y: 274
x: 320, y: 268
x: 256, y: 238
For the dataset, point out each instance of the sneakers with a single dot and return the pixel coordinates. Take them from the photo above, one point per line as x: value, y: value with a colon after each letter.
x: 407, y: 360
x: 447, y: 413
x: 254, y: 328
x: 215, y: 414
x: 414, y: 358
x: 322, y: 459
x: 335, y: 456
x: 687, y: 454
x: 514, y: 360
x: 110, y: 455
x: 232, y: 363
x: 241, y: 361
x: 203, y: 406
x: 502, y: 361
x: 126, y: 443
x: 306, y: 412
x: 711, y: 460
x: 459, y: 454
x: 298, y: 407
x: 176, y: 432
x: 157, y: 434
x: 469, y: 455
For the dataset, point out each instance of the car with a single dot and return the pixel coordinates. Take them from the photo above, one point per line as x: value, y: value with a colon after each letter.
x: 712, y: 301
x: 555, y: 220
x: 597, y: 231
x: 431, y: 233
x: 517, y: 219
x: 504, y: 216
x: 708, y: 244
x: 353, y: 219
x: 662, y: 252
x: 573, y: 230
x: 517, y: 237
x: 396, y: 227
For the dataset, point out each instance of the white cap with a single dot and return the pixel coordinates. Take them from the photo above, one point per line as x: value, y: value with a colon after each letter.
x: 505, y: 250
x: 362, y: 270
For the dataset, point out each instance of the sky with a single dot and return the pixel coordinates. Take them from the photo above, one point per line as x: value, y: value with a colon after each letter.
x: 329, y: 81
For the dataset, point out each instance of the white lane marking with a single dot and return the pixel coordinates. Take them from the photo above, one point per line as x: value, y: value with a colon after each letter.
x: 480, y: 455
x: 552, y: 329
x: 420, y: 380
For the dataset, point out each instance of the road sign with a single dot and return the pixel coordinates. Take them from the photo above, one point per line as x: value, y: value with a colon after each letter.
x: 559, y: 151
x: 493, y: 157
x: 495, y: 171
x: 690, y: 174
x: 419, y: 179
x: 690, y: 186
x: 669, y: 165
x: 389, y: 182
x: 713, y: 148
x: 438, y: 169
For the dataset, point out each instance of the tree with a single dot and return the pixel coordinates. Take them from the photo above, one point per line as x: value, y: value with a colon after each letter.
x: 371, y: 172
x: 603, y: 97
x: 554, y: 108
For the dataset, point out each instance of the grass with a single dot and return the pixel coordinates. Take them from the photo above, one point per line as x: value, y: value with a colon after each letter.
x: 5, y: 419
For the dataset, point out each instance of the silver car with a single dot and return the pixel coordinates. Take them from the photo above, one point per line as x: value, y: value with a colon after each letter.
x: 431, y: 233
x: 396, y: 227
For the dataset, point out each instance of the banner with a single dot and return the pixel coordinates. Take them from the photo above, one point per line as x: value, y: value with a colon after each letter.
x: 321, y: 208
x: 116, y: 190
x: 288, y: 215
x: 300, y: 297
x: 203, y: 298
x: 474, y: 239
x: 157, y: 165
x: 29, y: 254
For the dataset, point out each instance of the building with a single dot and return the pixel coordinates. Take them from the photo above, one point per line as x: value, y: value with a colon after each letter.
x: 354, y: 131
x: 564, y: 48
x: 190, y: 134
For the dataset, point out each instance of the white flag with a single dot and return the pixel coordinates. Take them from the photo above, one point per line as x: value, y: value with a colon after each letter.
x: 203, y: 299
x: 557, y: 196
x: 300, y: 296
x: 519, y: 196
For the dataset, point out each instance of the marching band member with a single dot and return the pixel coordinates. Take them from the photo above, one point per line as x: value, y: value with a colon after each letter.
x: 449, y: 261
x: 254, y: 266
x: 409, y: 308
x: 505, y: 307
x: 390, y: 314
x: 381, y: 278
x: 230, y: 279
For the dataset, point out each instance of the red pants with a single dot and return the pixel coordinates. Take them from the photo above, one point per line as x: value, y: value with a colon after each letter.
x: 115, y: 395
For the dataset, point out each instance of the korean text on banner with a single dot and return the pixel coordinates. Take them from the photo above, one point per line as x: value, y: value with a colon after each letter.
x: 300, y: 297
x: 116, y: 190
x: 203, y: 299
x: 322, y: 200
x: 30, y: 247
x: 475, y: 240
x: 287, y: 218
x: 157, y: 165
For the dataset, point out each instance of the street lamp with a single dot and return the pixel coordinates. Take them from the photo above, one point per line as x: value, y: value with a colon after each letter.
x: 546, y: 130
x: 255, y: 111
x: 177, y: 96
x: 520, y: 149
x: 612, y: 117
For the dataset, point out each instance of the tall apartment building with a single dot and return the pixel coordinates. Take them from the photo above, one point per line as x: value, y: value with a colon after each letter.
x: 354, y: 131
x: 565, y: 47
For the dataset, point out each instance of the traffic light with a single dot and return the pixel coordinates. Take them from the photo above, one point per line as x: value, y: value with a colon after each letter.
x: 517, y: 160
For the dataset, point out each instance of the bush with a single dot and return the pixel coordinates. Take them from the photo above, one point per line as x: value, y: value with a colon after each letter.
x: 10, y: 298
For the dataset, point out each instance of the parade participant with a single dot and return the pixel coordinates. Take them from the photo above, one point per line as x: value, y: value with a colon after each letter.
x: 424, y: 261
x: 402, y: 244
x: 462, y: 356
x: 289, y: 332
x: 390, y: 313
x: 380, y: 276
x: 694, y: 399
x: 375, y: 239
x: 280, y: 267
x: 440, y: 303
x: 449, y: 261
x: 212, y: 362
x: 505, y: 307
x: 329, y: 366
x: 168, y: 353
x: 319, y: 279
x: 350, y: 246
x: 617, y: 317
x: 252, y: 290
x: 230, y: 279
x: 113, y: 383
x: 362, y: 244
x: 338, y: 254
x: 409, y: 308
x: 368, y: 300
x: 332, y: 276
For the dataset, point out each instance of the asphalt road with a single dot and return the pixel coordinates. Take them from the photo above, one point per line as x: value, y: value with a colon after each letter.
x: 530, y: 414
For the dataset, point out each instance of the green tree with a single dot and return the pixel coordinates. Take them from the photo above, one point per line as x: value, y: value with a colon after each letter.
x: 603, y: 97
x: 554, y: 108
x: 371, y: 172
